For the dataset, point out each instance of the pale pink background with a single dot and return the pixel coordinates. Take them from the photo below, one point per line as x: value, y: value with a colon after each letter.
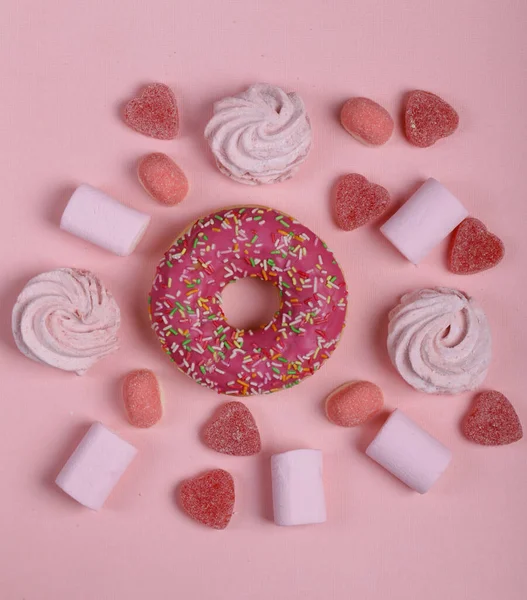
x: 66, y: 68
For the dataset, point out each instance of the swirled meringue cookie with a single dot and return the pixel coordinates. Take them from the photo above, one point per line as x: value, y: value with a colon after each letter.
x: 439, y: 340
x: 66, y: 319
x: 259, y: 136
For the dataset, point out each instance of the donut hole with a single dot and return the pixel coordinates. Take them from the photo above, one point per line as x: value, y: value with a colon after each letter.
x: 250, y: 303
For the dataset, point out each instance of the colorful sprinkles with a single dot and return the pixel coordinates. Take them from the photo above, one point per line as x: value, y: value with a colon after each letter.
x: 185, y: 302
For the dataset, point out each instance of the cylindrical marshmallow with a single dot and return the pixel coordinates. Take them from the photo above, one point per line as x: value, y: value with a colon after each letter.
x: 101, y: 220
x: 424, y: 220
x: 409, y: 452
x: 95, y: 467
x: 298, y: 489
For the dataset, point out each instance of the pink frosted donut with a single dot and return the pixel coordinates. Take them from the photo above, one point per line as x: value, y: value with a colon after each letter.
x: 234, y: 243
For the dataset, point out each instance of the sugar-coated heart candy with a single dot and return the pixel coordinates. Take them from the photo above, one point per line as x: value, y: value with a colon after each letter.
x: 209, y: 498
x: 142, y: 398
x: 358, y: 201
x: 154, y: 112
x: 366, y: 121
x: 492, y: 421
x: 162, y: 178
x: 233, y: 431
x: 428, y: 118
x: 474, y: 248
x: 354, y: 403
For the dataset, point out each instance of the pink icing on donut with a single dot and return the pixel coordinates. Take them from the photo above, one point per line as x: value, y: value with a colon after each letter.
x: 251, y: 241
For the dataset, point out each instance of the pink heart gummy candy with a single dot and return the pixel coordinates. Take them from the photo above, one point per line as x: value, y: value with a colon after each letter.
x: 492, y: 421
x: 428, y: 118
x: 209, y: 498
x: 357, y: 201
x: 474, y: 248
x: 154, y: 112
x: 233, y: 431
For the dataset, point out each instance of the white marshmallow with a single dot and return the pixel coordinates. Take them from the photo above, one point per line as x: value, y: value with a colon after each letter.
x: 298, y: 489
x: 424, y: 220
x: 101, y: 220
x: 409, y: 452
x: 95, y: 467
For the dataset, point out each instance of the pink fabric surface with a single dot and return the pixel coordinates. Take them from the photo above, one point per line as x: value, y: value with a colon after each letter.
x: 66, y: 70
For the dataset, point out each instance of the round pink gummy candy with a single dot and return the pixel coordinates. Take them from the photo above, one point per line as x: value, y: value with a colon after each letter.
x: 367, y: 121
x: 142, y: 398
x: 354, y: 403
x: 162, y: 178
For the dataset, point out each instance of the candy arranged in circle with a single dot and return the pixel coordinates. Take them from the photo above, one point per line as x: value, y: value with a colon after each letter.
x: 162, y: 179
x: 354, y: 403
x: 428, y: 118
x: 439, y: 340
x: 474, y: 248
x: 233, y: 430
x: 234, y: 243
x: 67, y: 319
x: 154, y: 113
x: 261, y: 135
x: 492, y: 421
x: 142, y: 398
x: 367, y: 121
x: 209, y: 498
x: 358, y: 201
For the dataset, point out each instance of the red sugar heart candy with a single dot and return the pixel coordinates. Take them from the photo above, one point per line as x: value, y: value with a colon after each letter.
x: 209, y: 498
x: 474, y: 248
x: 428, y: 118
x: 154, y: 112
x: 233, y: 431
x: 358, y: 201
x: 492, y: 421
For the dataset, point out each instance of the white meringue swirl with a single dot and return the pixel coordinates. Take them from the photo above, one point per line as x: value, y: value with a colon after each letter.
x: 66, y: 319
x: 259, y: 136
x: 439, y: 340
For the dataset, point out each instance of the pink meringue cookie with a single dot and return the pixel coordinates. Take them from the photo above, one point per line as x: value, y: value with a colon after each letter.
x: 66, y: 319
x: 439, y: 340
x: 259, y: 136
